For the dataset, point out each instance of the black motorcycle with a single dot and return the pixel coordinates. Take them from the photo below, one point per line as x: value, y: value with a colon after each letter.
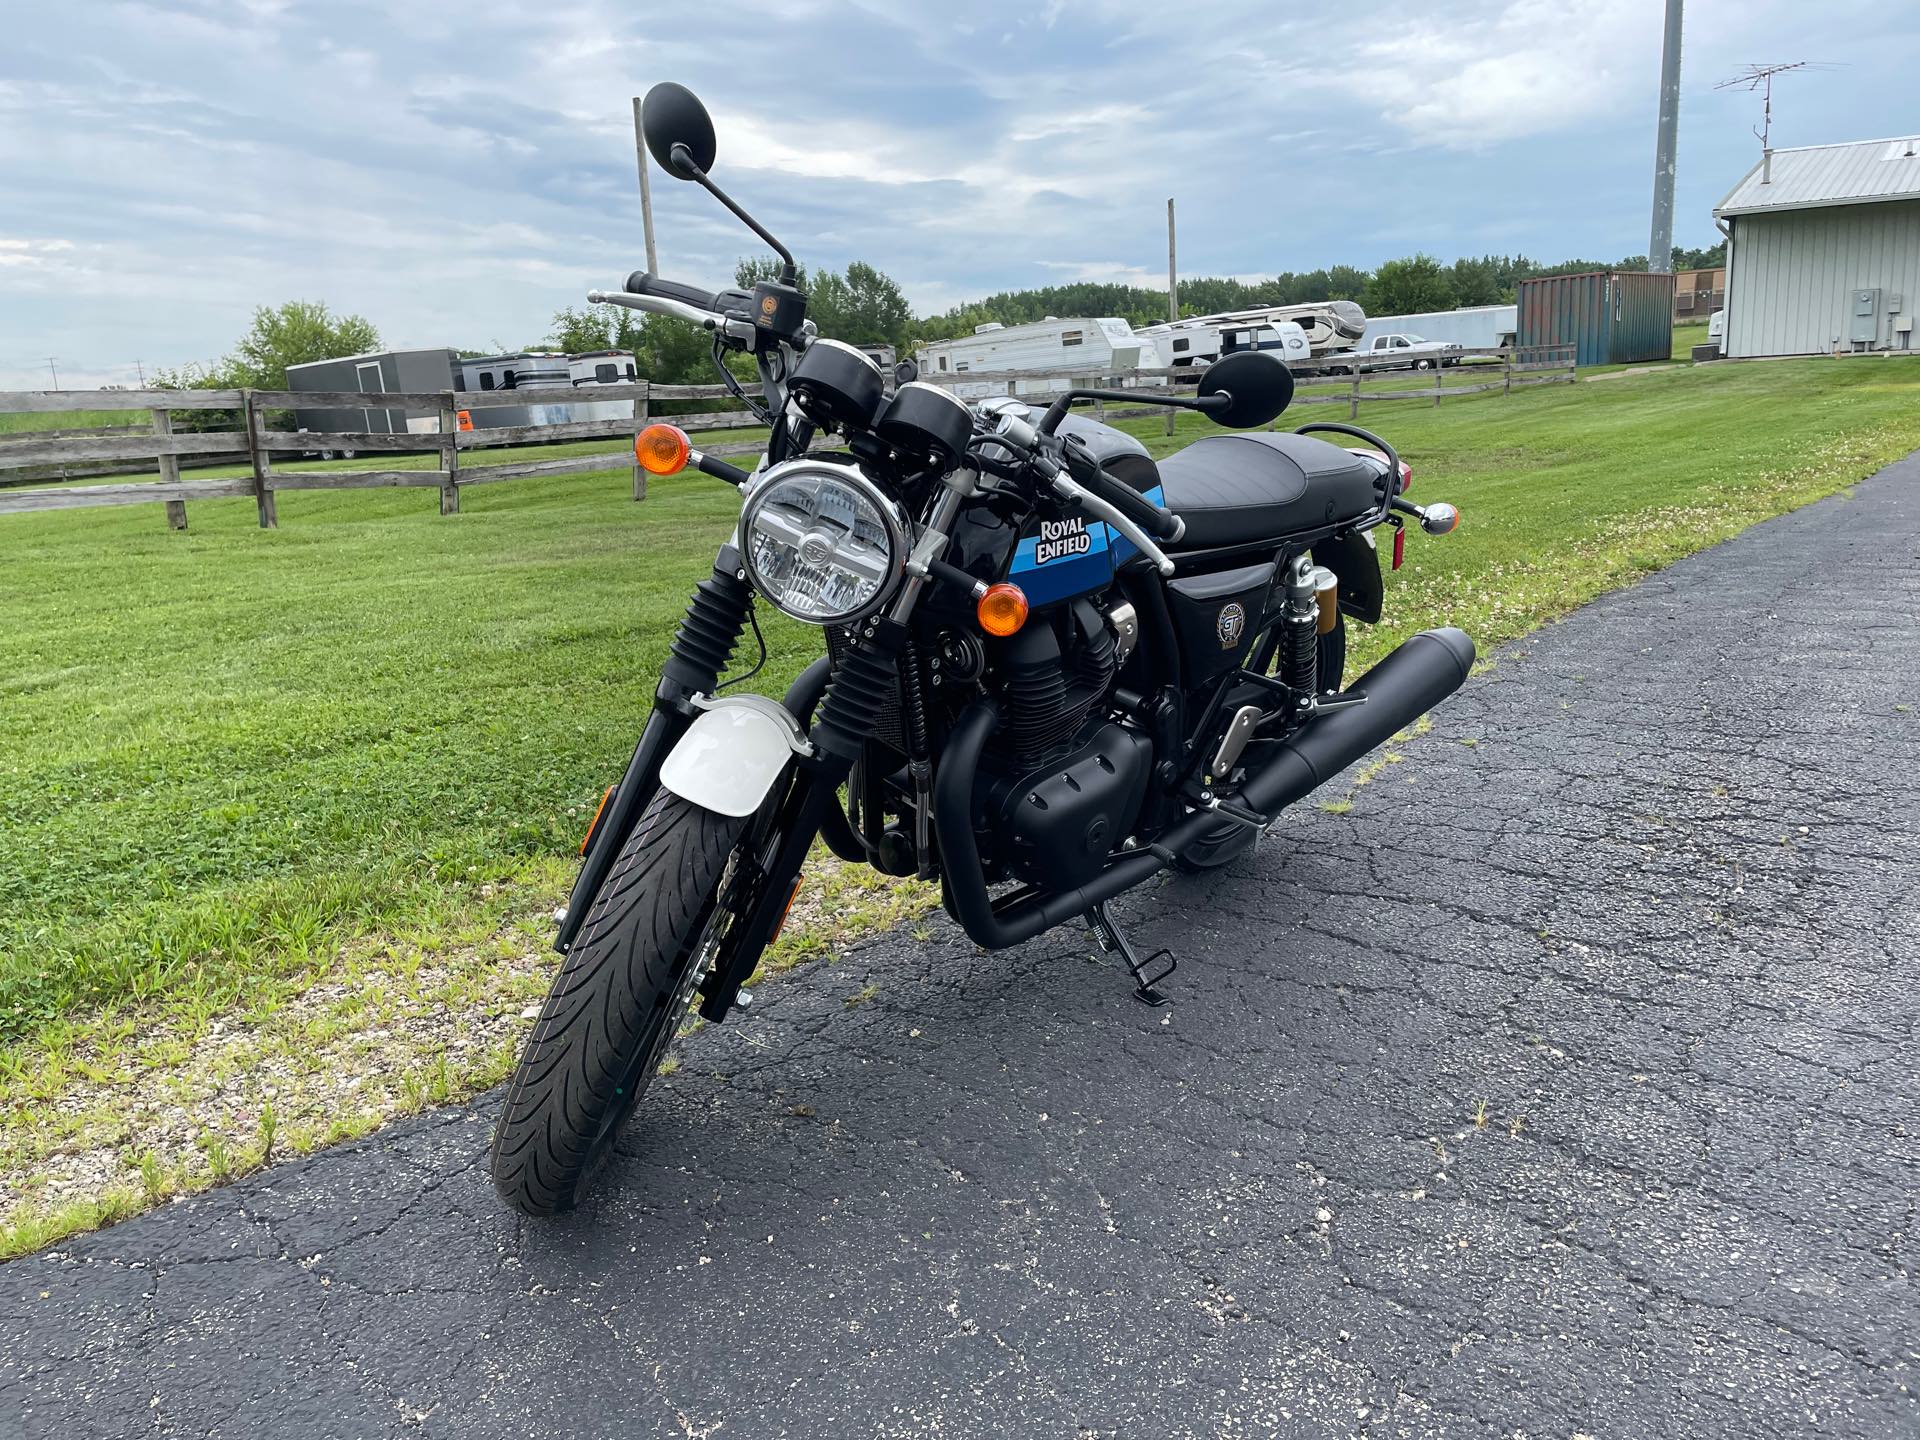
x: 1054, y: 669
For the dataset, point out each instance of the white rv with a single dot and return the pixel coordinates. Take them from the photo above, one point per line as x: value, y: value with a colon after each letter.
x: 1087, y: 347
x: 1183, y: 342
x: 1201, y: 342
x: 1327, y: 324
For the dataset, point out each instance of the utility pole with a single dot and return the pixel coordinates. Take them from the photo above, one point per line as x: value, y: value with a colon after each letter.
x: 1173, y: 288
x: 646, y: 190
x: 53, y: 369
x: 1660, y: 246
x: 141, y: 371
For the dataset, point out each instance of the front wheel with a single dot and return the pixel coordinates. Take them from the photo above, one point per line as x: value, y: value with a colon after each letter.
x: 615, y: 1005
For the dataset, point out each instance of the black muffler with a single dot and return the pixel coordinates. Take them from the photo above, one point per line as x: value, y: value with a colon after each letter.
x: 1419, y: 674
x: 1424, y: 670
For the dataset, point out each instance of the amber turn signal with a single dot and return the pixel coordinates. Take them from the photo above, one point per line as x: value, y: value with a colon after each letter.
x: 662, y: 449
x: 1002, y: 610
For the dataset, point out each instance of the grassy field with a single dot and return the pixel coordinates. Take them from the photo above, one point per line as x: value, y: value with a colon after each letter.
x: 280, y: 790
x: 73, y: 420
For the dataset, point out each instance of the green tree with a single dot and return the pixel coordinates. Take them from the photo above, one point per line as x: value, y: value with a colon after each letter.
x: 293, y: 334
x: 1408, y: 287
x: 1475, y: 282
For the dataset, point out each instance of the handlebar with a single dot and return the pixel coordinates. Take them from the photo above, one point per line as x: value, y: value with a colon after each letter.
x: 1160, y: 523
x: 641, y: 283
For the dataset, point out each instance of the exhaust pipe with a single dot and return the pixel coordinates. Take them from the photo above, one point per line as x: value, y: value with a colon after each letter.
x: 1419, y: 674
x: 1424, y: 670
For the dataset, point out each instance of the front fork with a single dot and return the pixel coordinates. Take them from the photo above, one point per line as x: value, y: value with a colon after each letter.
x: 701, y: 648
x: 864, y: 683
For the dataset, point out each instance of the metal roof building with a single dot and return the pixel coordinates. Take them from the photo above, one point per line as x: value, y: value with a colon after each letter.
x: 1823, y: 250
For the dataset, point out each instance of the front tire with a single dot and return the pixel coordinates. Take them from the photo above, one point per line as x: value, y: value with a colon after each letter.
x: 615, y: 1005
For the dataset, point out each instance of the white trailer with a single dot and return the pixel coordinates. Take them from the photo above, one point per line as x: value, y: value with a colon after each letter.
x: 1089, y: 347
x: 1182, y: 343
x: 1327, y: 324
x: 1481, y: 327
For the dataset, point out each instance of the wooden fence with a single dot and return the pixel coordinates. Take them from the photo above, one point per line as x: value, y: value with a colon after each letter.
x: 251, y: 441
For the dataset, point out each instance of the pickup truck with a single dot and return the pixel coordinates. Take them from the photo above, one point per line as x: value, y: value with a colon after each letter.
x: 1394, y: 352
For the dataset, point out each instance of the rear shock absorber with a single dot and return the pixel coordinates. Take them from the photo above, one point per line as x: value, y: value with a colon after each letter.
x: 1300, y: 630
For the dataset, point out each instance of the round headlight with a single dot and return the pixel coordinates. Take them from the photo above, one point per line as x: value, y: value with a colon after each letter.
x: 822, y: 541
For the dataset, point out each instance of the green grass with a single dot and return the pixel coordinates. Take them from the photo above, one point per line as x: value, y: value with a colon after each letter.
x: 224, y: 752
x: 73, y: 420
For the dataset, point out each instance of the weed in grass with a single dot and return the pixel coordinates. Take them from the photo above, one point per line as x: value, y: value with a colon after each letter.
x: 219, y: 1156
x: 269, y: 1125
x: 1479, y: 1114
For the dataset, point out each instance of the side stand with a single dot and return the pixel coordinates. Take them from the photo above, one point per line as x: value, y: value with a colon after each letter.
x: 1147, y: 974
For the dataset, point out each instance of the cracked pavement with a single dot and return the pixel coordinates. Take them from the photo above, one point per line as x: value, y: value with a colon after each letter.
x: 1643, y: 901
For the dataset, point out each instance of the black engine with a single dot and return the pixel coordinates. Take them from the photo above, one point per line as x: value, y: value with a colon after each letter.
x: 1053, y: 796
x: 1055, y: 826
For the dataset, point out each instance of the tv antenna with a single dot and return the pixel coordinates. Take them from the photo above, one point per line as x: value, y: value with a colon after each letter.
x: 1760, y: 77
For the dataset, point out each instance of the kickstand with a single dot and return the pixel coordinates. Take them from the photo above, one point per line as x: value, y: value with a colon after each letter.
x: 1147, y: 974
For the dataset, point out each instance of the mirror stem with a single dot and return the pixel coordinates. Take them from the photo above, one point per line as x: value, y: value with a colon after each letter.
x: 1057, y: 411
x: 684, y: 162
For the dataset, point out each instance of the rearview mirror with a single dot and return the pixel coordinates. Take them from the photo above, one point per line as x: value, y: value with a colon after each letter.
x: 678, y: 130
x: 1256, y: 387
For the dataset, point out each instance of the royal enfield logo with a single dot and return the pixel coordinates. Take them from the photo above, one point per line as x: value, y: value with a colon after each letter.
x: 1060, y: 539
x: 1229, y: 624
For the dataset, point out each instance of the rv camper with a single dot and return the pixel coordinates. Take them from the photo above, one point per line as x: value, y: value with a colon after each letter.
x: 1086, y: 347
x: 1183, y: 343
x: 1327, y: 324
x: 547, y: 370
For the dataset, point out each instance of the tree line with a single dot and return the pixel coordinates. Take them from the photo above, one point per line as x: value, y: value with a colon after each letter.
x: 864, y: 306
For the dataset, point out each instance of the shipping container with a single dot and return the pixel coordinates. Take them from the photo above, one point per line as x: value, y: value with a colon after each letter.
x: 1610, y: 317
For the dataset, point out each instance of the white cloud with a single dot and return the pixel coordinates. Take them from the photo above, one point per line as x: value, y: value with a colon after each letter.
x: 1534, y: 67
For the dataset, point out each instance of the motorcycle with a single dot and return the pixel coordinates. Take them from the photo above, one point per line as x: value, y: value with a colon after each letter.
x: 1053, y: 670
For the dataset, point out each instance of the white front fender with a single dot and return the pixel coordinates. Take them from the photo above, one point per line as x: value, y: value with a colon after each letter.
x: 732, y: 754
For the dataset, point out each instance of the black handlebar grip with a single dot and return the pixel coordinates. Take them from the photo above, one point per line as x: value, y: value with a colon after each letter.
x: 641, y: 283
x: 1161, y: 524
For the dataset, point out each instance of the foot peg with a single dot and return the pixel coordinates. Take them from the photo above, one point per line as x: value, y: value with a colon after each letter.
x: 1148, y: 973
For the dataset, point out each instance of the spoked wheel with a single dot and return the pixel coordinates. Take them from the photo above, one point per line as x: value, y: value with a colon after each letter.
x: 616, y: 1004
x: 1229, y: 840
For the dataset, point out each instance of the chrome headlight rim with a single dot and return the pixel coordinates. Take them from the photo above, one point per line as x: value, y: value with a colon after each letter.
x: 893, y: 520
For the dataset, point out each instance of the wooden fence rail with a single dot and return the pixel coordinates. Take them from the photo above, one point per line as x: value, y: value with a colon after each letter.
x: 252, y: 443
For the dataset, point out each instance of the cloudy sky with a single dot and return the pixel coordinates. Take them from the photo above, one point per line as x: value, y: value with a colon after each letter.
x: 458, y: 172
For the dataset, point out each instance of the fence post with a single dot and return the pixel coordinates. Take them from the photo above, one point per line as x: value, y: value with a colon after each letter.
x: 262, y: 466
x: 449, y: 455
x: 170, y: 469
x: 642, y: 406
x: 1353, y: 401
x: 1438, y: 371
x: 1506, y: 370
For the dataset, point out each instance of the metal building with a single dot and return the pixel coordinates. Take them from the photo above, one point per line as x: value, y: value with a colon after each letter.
x: 1610, y: 317
x: 1823, y: 250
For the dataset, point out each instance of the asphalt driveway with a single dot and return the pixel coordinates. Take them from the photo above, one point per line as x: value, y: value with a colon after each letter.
x: 1564, y: 1086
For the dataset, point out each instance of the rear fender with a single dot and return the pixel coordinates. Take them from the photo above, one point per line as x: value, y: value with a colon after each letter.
x: 734, y: 753
x: 1353, y: 560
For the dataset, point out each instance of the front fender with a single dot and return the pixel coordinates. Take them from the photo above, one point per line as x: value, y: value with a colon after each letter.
x: 732, y: 755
